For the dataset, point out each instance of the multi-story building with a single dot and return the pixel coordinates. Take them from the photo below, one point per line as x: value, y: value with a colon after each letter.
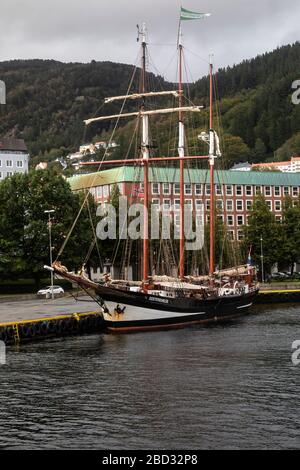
x: 14, y: 157
x: 235, y: 191
x: 292, y: 166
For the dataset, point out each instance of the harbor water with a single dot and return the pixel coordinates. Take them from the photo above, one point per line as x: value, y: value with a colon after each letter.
x: 230, y: 386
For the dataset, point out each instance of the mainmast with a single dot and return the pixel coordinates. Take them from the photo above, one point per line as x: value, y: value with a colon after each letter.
x: 145, y: 159
x: 212, y: 176
x: 181, y: 157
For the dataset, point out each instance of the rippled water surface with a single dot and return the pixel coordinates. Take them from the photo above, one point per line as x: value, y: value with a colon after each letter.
x: 230, y: 386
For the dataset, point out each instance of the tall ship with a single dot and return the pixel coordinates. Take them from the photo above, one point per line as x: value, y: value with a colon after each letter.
x: 159, y: 300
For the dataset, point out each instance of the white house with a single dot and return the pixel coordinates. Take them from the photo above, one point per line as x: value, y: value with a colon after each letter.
x: 14, y: 157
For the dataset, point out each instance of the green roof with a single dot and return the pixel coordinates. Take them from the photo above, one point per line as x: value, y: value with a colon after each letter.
x: 171, y: 175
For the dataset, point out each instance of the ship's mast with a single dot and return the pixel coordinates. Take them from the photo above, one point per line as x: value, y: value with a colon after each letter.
x: 145, y: 158
x: 212, y: 176
x: 181, y: 152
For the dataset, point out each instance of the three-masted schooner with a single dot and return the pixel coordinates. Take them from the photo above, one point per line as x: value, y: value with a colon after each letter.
x: 160, y: 302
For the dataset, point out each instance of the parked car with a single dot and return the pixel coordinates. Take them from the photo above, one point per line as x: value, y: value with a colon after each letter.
x: 47, y: 292
x: 279, y: 277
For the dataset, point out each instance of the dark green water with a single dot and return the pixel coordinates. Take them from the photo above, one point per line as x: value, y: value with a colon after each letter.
x: 230, y: 386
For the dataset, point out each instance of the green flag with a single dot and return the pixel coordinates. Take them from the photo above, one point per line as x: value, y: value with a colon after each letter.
x: 192, y: 15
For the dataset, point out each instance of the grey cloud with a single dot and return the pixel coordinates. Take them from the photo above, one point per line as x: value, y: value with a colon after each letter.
x: 71, y: 30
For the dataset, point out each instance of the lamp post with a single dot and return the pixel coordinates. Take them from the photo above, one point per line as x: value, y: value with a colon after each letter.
x: 262, y: 259
x: 49, y: 212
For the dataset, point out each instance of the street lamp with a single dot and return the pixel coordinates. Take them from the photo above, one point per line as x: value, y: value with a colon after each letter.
x: 49, y: 212
x: 262, y: 259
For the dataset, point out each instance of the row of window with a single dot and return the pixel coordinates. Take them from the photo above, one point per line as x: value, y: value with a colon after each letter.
x: 197, y: 189
x: 239, y: 206
x: 10, y: 163
x: 6, y: 174
x: 229, y: 190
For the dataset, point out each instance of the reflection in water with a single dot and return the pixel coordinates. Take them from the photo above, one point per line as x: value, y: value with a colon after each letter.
x: 230, y: 386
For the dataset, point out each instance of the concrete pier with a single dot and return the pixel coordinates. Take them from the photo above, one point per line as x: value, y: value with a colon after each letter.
x: 28, y: 320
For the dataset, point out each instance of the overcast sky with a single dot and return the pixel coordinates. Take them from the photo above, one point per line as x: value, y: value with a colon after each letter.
x: 73, y: 30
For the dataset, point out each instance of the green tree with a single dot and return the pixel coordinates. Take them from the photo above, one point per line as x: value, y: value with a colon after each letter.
x: 235, y: 150
x: 291, y: 234
x: 262, y: 224
x: 24, y: 237
x: 259, y: 151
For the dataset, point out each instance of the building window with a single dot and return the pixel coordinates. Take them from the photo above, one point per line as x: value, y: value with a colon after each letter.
x: 177, y: 220
x: 189, y: 203
x: 19, y: 164
x: 105, y: 190
x: 239, y: 190
x: 166, y: 189
x: 286, y: 191
x: 269, y: 204
x: 155, y: 188
x: 248, y: 205
x: 0, y: 174
x: 0, y: 162
x: 240, y: 235
x: 99, y: 192
x: 207, y: 189
x: 207, y: 204
x: 258, y: 190
x: 188, y: 189
x: 295, y: 191
x: 199, y: 205
x: 9, y: 173
x: 199, y: 220
x: 230, y: 235
x: 229, y: 190
x: 277, y: 206
x: 277, y: 191
x: 268, y: 191
x: 240, y: 220
x: 230, y: 220
x: 177, y: 188
x: 218, y: 190
x: 249, y: 191
x: 278, y: 218
x: 239, y: 205
x: 198, y: 189
x: 155, y: 202
x: 166, y: 204
x: 9, y: 163
x: 220, y: 204
x: 176, y: 204
x: 229, y: 205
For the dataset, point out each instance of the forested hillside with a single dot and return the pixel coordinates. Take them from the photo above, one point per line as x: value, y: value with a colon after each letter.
x: 48, y: 100
x: 257, y: 102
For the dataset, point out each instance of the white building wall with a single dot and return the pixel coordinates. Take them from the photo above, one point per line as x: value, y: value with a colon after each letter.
x: 13, y: 162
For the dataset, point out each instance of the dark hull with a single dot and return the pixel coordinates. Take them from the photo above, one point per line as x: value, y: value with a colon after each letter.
x: 153, y: 314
